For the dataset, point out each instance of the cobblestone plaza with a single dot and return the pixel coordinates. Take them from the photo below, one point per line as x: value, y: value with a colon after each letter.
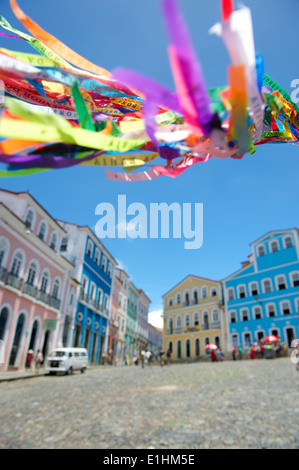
x: 233, y: 404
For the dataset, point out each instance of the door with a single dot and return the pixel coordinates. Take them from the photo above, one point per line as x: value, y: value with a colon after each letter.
x: 179, y: 350
x: 33, y: 336
x: 93, y: 347
x: 78, y: 329
x: 46, y: 344
x: 17, y: 339
x: 290, y: 336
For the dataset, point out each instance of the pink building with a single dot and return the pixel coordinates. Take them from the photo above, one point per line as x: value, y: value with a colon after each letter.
x: 37, y: 296
x: 114, y: 321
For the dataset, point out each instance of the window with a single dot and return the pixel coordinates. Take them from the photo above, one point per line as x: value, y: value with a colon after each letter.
x: 16, y: 265
x: 63, y: 246
x: 196, y: 319
x: 187, y: 320
x: 267, y: 286
x: 231, y: 294
x: 89, y: 248
x: 215, y: 316
x: 31, y: 274
x: 195, y: 297
x: 29, y: 219
x: 170, y: 302
x: 109, y: 270
x: 204, y: 292
x: 244, y: 314
x: 274, y: 246
x: 186, y: 302
x: 55, y: 290
x: 271, y: 310
x: 295, y: 279
x: 53, y: 241
x: 247, y: 338
x: 104, y: 263
x: 288, y: 242
x: 97, y: 257
x: 42, y: 231
x: 261, y: 251
x: 285, y: 308
x: 197, y: 347
x: 92, y: 291
x: 281, y: 283
x: 257, y: 311
x: 213, y: 292
x: 254, y: 288
x: 297, y: 305
x: 178, y: 298
x: 170, y: 326
x: 3, y: 251
x: 242, y: 292
x: 44, y: 282
x: 233, y: 317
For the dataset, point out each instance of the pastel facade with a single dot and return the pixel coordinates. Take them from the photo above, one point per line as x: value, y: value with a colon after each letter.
x: 142, y: 321
x: 37, y: 294
x: 94, y: 269
x: 114, y: 321
x: 122, y: 278
x: 155, y: 340
x: 193, y: 317
x: 130, y: 336
x: 262, y: 298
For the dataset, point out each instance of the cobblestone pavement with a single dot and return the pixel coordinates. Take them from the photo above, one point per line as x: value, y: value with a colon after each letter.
x: 241, y: 404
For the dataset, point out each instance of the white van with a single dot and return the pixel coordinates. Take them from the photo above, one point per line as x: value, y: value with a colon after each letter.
x: 67, y: 360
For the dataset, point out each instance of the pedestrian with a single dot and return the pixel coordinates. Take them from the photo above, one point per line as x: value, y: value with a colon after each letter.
x: 142, y: 357
x: 168, y: 354
x: 219, y: 354
x: 38, y: 360
x: 135, y: 360
x: 262, y: 350
x: 161, y: 354
x: 29, y: 360
x: 252, y: 352
x: 240, y: 351
x: 149, y: 357
x: 213, y: 355
x: 234, y: 353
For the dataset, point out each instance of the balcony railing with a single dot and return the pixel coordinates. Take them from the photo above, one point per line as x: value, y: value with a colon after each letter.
x: 216, y: 324
x: 14, y: 281
x: 29, y: 289
x: 43, y: 297
x: 205, y: 326
x: 194, y: 301
x: 54, y: 302
x: 178, y: 330
x: 3, y: 272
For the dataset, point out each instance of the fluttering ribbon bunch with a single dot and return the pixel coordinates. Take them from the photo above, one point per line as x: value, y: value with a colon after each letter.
x: 60, y: 110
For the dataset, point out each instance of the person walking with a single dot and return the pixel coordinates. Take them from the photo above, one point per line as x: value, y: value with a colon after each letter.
x: 240, y: 350
x: 38, y: 361
x: 142, y: 357
x: 161, y: 354
x: 234, y: 353
x: 149, y: 357
x: 29, y: 360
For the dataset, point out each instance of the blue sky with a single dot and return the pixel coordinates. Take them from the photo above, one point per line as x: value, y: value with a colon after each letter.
x: 242, y: 199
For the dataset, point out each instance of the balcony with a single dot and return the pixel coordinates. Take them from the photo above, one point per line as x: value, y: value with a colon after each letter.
x: 206, y: 326
x: 3, y: 272
x: 54, y: 302
x: 178, y: 330
x: 43, y: 297
x: 216, y: 324
x: 194, y: 301
x: 29, y: 289
x: 14, y: 281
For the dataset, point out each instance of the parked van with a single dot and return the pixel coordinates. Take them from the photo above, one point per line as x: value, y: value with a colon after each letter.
x: 67, y: 360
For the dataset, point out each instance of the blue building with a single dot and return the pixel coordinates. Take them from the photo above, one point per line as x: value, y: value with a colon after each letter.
x: 262, y: 298
x: 94, y: 269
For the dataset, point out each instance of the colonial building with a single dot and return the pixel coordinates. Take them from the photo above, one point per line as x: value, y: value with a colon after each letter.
x: 262, y: 298
x: 130, y: 336
x: 193, y: 317
x: 155, y: 340
x: 142, y: 321
x: 122, y: 278
x: 94, y: 269
x: 114, y: 322
x: 37, y: 294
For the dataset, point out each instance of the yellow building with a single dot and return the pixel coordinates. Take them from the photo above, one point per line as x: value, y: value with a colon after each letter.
x: 193, y: 317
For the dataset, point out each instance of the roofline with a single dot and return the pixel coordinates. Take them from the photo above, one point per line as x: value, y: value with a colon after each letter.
x: 274, y: 231
x: 26, y: 193
x: 189, y: 275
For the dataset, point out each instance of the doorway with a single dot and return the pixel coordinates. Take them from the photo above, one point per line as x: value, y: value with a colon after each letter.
x: 289, y: 336
x: 17, y: 339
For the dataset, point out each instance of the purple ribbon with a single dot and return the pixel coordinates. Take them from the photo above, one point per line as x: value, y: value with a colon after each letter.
x: 40, y: 161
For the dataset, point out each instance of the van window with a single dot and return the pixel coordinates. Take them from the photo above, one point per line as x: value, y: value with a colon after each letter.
x: 83, y: 354
x: 57, y: 354
x: 76, y: 354
x: 70, y: 355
